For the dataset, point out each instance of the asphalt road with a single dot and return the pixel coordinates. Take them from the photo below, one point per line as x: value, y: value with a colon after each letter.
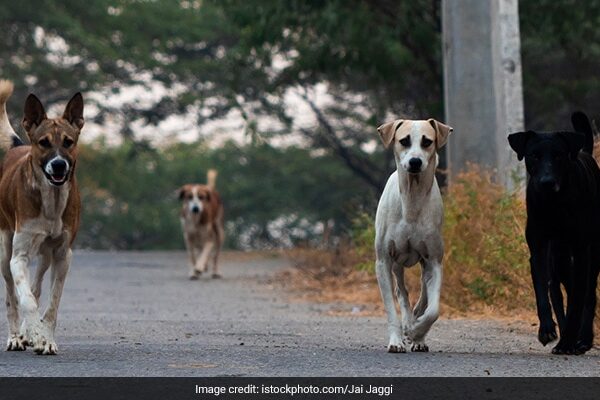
x: 136, y: 314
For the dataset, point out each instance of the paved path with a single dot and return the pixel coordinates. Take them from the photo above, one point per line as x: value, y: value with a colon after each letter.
x: 136, y: 314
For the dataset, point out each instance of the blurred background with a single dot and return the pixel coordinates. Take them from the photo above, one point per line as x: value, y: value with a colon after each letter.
x: 282, y: 98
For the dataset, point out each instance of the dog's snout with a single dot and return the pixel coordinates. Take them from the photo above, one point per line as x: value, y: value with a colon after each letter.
x: 59, y: 166
x: 415, y: 164
x: 548, y: 183
x: 195, y: 209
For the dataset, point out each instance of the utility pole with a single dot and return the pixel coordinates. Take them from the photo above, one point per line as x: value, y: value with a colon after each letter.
x: 483, y: 93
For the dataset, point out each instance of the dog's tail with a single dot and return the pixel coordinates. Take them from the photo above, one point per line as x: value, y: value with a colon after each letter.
x: 581, y: 124
x: 8, y: 137
x: 211, y: 178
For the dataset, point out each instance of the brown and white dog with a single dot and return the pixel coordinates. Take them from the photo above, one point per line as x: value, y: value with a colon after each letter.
x: 39, y: 215
x: 202, y: 223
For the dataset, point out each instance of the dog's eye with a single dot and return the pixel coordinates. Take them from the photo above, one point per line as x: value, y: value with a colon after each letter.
x: 425, y: 142
x: 67, y: 143
x: 45, y: 143
x: 405, y: 141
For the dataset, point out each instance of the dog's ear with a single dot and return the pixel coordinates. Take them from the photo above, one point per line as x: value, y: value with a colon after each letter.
x: 181, y: 192
x: 518, y: 142
x: 34, y: 113
x: 388, y: 130
x: 74, y: 111
x: 581, y: 124
x: 442, y: 132
x: 575, y: 141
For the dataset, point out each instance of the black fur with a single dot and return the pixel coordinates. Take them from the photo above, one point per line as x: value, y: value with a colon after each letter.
x: 563, y: 232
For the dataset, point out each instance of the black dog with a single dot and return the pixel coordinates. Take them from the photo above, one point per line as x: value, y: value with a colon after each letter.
x: 563, y: 230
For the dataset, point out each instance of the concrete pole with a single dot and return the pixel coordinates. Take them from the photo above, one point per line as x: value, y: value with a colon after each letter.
x: 483, y: 85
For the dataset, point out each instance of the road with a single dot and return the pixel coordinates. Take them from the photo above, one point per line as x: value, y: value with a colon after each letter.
x: 136, y: 314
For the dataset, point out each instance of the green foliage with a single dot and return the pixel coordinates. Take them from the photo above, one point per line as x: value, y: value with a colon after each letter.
x: 561, y: 60
x: 363, y: 239
x: 272, y: 196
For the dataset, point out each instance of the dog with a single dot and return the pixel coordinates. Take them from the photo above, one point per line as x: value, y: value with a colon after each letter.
x: 563, y: 230
x: 39, y: 215
x: 202, y: 224
x: 408, y: 229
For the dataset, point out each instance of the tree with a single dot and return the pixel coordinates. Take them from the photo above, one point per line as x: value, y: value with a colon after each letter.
x: 561, y: 60
x: 376, y: 59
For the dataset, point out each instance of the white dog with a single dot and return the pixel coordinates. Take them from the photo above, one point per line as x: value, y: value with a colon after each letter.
x: 408, y: 229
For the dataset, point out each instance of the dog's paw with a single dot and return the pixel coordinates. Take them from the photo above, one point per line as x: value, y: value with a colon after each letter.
x: 16, y: 343
x: 396, y: 345
x: 46, y: 348
x: 566, y: 348
x: 547, y: 335
x: 216, y: 276
x: 419, y: 347
x: 194, y: 275
x: 396, y: 348
x: 40, y: 337
x: 582, y: 346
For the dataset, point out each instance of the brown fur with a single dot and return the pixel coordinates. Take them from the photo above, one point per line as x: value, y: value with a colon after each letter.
x: 20, y: 197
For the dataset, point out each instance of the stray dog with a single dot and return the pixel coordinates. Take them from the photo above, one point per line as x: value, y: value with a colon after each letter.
x: 202, y: 224
x: 563, y: 230
x: 39, y: 215
x: 408, y: 229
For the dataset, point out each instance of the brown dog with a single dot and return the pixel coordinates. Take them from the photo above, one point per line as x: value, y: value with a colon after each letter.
x: 202, y: 223
x: 39, y: 215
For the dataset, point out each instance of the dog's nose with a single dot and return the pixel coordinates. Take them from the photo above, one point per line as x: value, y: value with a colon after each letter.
x: 414, y: 164
x: 549, y: 183
x: 195, y: 209
x: 58, y: 166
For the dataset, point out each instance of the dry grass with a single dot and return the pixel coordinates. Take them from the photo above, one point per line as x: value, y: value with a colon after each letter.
x: 486, y: 268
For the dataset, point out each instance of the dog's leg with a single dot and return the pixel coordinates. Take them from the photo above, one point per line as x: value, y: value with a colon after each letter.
x: 45, y: 261
x: 60, y: 267
x: 579, y: 284
x: 385, y: 280
x: 539, y: 275
x: 432, y: 276
x: 203, y: 259
x: 422, y: 302
x: 191, y: 250
x: 586, y: 336
x: 220, y: 235
x: 560, y: 257
x: 25, y: 246
x: 404, y: 302
x: 15, y: 341
x: 215, y: 262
